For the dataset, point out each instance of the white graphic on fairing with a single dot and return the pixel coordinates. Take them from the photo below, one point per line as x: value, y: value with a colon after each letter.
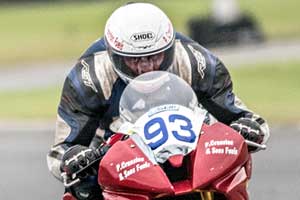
x: 227, y: 147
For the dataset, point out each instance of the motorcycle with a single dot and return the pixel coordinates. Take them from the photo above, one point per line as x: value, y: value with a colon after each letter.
x: 166, y: 148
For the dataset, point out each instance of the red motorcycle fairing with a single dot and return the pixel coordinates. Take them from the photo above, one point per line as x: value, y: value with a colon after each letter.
x: 227, y: 162
x: 234, y: 185
x: 220, y: 150
x: 126, y: 168
x: 68, y: 196
x: 220, y: 163
x: 107, y: 195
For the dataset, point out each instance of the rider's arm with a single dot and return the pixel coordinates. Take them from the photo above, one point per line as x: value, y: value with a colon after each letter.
x: 214, y: 89
x: 79, y: 112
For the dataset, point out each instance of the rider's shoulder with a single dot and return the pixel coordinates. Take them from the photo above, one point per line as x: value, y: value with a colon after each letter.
x: 193, y: 46
x: 96, y: 47
x: 204, y: 64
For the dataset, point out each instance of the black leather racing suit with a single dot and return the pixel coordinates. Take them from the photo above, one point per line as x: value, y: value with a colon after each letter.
x: 90, y: 98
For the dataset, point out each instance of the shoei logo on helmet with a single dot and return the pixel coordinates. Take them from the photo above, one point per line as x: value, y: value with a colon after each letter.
x: 137, y: 37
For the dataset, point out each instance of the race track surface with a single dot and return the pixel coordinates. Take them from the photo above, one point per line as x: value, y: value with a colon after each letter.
x: 24, y: 174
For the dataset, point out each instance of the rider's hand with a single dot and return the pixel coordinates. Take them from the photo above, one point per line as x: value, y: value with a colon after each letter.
x: 80, y: 160
x: 249, y: 129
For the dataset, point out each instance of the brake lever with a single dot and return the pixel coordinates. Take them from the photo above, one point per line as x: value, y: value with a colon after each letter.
x: 66, y: 183
x: 257, y: 145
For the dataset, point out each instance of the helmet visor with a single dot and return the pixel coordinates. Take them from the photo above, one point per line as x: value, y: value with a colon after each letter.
x: 131, y: 66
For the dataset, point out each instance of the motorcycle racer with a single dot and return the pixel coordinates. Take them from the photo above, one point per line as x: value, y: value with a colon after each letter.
x: 138, y: 38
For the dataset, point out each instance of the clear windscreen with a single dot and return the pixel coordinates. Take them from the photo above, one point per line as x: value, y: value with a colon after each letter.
x: 154, y: 89
x: 162, y: 109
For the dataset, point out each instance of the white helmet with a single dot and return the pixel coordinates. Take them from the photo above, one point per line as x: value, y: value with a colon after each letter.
x: 137, y: 30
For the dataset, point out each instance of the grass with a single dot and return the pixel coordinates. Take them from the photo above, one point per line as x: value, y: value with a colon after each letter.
x: 54, y: 31
x: 272, y: 90
x: 33, y: 104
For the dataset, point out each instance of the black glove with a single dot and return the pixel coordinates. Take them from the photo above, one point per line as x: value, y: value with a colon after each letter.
x: 250, y: 130
x: 77, y: 159
x: 80, y: 165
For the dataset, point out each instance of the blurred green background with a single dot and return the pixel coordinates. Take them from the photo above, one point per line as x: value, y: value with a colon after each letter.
x: 60, y: 31
x: 39, y: 32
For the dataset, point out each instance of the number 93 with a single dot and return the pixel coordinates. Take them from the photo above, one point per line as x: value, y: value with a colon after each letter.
x: 157, y: 128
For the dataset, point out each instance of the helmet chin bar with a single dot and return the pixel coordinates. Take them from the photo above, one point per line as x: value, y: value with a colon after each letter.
x: 124, y: 71
x: 123, y: 76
